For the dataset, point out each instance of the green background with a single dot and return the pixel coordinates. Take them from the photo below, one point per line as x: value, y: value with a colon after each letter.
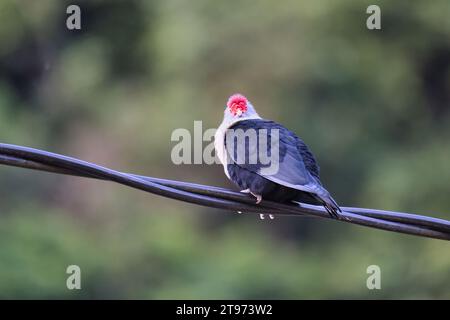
x: 372, y: 105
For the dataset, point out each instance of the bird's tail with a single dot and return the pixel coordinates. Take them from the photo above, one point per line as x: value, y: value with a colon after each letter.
x: 329, y: 203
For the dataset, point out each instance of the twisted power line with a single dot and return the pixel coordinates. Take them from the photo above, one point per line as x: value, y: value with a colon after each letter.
x: 221, y: 198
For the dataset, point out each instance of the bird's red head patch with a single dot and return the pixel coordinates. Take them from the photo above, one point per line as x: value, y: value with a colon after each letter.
x: 237, y: 104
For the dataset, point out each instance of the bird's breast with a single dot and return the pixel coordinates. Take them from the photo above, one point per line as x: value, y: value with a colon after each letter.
x: 219, y: 146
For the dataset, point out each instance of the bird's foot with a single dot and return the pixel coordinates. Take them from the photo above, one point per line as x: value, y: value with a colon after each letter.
x: 258, y: 197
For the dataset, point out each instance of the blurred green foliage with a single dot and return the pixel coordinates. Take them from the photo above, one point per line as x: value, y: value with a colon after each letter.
x: 372, y: 105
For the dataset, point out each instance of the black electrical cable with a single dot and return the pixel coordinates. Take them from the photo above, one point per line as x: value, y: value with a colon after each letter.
x: 219, y: 197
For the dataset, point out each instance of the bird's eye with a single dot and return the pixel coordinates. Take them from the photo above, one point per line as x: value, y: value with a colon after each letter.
x: 237, y: 109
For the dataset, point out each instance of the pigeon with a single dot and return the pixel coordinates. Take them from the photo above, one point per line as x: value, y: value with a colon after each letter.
x: 268, y: 161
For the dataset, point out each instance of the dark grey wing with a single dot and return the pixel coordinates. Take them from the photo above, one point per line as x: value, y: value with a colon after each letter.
x: 295, y: 165
x: 308, y: 158
x: 286, y: 167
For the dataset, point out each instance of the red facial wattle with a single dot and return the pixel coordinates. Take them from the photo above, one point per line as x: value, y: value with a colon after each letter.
x: 237, y: 104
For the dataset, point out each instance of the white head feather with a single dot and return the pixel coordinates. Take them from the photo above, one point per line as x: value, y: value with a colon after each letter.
x: 238, y: 109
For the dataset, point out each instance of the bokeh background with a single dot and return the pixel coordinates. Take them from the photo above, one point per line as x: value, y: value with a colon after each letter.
x: 372, y: 105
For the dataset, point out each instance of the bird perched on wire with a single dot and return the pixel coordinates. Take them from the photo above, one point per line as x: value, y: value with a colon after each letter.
x: 267, y: 160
